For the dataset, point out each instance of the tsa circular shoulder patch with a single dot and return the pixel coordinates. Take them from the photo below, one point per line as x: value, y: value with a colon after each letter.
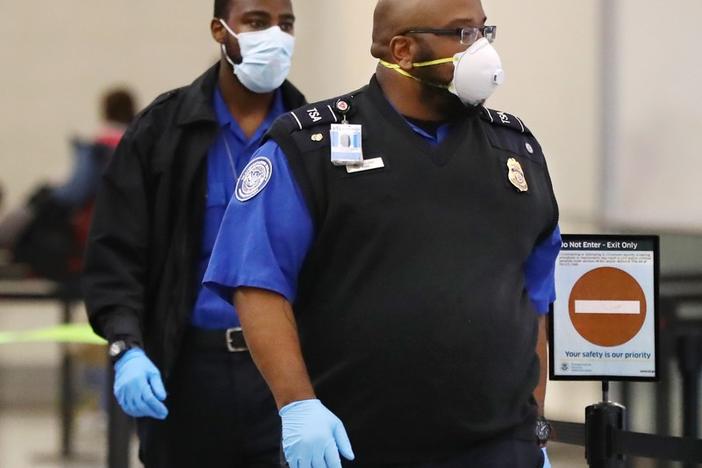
x: 254, y: 179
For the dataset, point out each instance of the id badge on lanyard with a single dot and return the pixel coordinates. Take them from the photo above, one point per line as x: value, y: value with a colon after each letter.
x: 346, y: 144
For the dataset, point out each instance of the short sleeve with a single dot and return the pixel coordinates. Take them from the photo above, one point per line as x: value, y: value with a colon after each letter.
x: 539, y: 272
x: 265, y: 236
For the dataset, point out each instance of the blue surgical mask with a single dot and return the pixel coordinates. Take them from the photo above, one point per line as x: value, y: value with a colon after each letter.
x: 266, y: 58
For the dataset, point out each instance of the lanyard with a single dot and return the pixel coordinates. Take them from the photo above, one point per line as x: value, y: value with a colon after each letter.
x: 230, y: 156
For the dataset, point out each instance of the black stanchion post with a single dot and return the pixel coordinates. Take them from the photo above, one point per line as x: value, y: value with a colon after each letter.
x: 662, y: 401
x: 662, y: 395
x: 600, y: 419
x: 625, y: 389
x: 690, y: 362
x: 66, y: 388
x: 119, y: 429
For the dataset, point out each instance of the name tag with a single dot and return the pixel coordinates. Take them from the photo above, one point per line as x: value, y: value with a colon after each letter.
x: 366, y: 165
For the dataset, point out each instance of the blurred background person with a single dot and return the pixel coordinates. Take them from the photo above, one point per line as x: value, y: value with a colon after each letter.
x: 48, y: 233
x: 91, y: 157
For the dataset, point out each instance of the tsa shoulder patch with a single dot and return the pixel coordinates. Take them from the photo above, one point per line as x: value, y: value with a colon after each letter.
x: 503, y: 119
x: 331, y: 111
x: 253, y: 179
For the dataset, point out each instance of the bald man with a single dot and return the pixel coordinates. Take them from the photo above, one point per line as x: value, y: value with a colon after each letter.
x: 405, y: 238
x: 182, y: 367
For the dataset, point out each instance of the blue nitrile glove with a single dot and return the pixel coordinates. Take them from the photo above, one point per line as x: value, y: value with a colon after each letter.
x: 313, y: 437
x: 138, y: 386
x: 547, y: 462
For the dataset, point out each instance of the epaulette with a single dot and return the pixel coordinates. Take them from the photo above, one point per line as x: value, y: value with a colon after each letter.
x: 504, y: 119
x: 320, y: 113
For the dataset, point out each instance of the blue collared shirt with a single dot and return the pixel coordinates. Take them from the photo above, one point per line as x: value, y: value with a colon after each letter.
x: 212, y: 311
x: 263, y: 242
x: 442, y: 131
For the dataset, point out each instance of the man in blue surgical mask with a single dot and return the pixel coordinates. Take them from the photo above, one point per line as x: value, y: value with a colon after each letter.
x: 182, y: 367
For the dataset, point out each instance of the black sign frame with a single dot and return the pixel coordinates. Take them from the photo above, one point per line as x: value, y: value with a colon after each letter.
x: 655, y: 377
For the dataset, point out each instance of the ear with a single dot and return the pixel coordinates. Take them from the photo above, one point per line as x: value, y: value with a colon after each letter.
x: 219, y: 34
x: 402, y: 51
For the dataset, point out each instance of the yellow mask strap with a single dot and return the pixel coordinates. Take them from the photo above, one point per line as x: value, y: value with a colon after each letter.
x: 398, y: 69
x: 431, y: 63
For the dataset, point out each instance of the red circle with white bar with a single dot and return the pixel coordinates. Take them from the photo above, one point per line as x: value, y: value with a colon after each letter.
x: 607, y: 307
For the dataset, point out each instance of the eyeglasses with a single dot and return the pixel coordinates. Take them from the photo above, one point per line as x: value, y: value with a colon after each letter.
x: 468, y: 35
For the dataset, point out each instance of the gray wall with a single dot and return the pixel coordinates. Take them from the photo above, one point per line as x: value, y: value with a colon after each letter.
x: 58, y: 56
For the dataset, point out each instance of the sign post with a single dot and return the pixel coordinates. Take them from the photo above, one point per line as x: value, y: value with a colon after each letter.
x: 604, y: 325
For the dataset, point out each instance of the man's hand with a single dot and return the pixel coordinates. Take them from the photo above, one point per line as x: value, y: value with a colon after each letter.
x: 138, y: 386
x: 313, y: 437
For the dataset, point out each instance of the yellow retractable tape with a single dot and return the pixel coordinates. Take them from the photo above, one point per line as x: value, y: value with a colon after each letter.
x: 80, y: 333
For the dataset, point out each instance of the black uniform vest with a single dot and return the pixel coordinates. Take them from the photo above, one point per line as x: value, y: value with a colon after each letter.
x: 412, y: 311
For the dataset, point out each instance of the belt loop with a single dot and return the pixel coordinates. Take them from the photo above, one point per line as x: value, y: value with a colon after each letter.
x: 230, y: 336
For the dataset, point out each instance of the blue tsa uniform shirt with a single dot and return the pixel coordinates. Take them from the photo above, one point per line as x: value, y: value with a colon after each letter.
x: 226, y: 159
x: 416, y: 279
x: 266, y: 233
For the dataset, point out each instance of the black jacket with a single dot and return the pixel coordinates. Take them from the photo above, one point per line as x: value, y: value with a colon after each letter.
x: 140, y: 277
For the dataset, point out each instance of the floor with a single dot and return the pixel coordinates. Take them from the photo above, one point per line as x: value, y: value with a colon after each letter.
x: 29, y: 431
x: 30, y: 439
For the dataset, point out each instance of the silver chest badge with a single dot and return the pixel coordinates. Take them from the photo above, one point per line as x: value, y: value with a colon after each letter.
x: 253, y: 179
x: 516, y: 175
